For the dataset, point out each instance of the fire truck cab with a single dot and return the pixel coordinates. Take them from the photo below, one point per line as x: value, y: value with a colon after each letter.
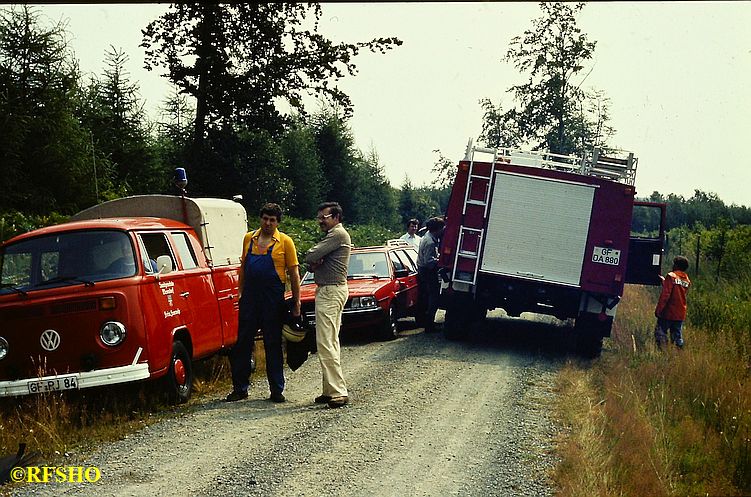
x: 544, y: 233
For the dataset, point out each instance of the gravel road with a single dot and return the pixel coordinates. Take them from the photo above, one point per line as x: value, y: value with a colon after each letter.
x: 427, y: 417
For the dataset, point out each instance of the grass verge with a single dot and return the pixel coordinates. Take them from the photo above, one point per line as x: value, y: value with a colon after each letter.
x: 67, y: 424
x: 647, y: 422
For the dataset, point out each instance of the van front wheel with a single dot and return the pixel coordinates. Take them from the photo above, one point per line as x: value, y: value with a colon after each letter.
x: 180, y: 375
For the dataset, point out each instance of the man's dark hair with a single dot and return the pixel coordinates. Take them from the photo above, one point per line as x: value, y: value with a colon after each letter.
x: 680, y: 263
x: 434, y: 224
x: 334, y: 209
x: 413, y: 221
x: 271, y: 209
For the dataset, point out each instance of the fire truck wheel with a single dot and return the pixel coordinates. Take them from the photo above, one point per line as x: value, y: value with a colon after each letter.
x: 588, y: 333
x: 180, y: 375
x: 388, y: 330
x: 453, y: 325
x: 589, y: 345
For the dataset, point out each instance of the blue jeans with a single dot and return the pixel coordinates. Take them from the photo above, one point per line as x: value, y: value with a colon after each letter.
x: 676, y: 332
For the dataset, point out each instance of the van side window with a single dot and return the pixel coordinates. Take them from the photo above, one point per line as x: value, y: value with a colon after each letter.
x: 184, y: 250
x: 156, y: 245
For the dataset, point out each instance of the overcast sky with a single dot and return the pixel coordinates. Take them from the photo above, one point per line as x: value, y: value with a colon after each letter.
x: 678, y: 76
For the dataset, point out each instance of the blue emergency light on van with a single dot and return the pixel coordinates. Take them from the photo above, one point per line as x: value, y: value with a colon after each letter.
x: 181, y: 179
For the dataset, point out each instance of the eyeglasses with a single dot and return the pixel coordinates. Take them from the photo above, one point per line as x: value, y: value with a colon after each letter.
x: 321, y: 218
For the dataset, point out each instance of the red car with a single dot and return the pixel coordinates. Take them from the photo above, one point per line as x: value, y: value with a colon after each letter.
x: 382, y: 289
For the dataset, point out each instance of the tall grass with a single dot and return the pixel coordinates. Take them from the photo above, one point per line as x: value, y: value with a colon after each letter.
x: 59, y: 423
x: 672, y: 422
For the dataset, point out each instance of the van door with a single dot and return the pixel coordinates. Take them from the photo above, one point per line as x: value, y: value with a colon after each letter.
x: 646, y: 244
x: 199, y: 294
x: 163, y: 302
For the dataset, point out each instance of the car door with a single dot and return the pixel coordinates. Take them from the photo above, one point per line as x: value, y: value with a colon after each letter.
x: 646, y: 243
x: 407, y: 294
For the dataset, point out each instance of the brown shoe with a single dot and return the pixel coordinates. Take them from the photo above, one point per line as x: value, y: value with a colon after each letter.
x: 338, y: 401
x: 322, y: 399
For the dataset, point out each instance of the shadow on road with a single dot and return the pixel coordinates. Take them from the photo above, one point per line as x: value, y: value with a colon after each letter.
x: 525, y: 335
x: 529, y: 335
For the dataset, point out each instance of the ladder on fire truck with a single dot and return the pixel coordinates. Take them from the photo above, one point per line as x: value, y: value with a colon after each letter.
x: 472, y: 227
x: 479, y: 183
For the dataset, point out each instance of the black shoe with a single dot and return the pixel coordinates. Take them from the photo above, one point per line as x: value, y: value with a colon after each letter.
x: 277, y: 397
x: 235, y: 395
x: 322, y: 399
x: 338, y: 401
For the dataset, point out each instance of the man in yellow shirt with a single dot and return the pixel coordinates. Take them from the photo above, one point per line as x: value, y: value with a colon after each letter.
x: 269, y: 260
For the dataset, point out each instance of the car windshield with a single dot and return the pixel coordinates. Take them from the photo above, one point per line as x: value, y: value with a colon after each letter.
x: 363, y: 265
x: 73, y: 258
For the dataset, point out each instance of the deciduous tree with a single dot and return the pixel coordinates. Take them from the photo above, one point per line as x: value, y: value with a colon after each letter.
x: 238, y: 60
x: 551, y: 111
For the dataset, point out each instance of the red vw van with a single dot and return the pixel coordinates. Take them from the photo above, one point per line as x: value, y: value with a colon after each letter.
x: 130, y: 289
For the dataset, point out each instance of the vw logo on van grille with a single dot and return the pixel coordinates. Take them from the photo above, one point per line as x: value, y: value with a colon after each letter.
x: 50, y: 340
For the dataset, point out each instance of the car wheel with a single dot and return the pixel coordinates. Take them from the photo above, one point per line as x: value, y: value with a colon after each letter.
x: 389, y: 330
x: 180, y: 375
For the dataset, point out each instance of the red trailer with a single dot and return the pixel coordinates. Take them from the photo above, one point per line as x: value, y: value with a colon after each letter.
x: 544, y: 233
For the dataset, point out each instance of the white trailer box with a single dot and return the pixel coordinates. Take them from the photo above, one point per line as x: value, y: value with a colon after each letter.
x: 220, y: 224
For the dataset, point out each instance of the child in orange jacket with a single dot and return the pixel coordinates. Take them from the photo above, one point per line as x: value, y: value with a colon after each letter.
x: 671, y: 307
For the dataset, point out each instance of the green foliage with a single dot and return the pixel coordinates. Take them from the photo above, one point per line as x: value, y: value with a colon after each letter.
x: 376, y: 199
x: 444, y: 171
x: 421, y: 203
x: 120, y: 133
x: 703, y: 208
x: 306, y: 233
x: 247, y: 162
x: 722, y: 251
x: 371, y: 234
x: 339, y: 159
x: 43, y: 148
x: 14, y: 223
x: 238, y: 60
x: 304, y: 171
x: 497, y: 130
x: 551, y: 111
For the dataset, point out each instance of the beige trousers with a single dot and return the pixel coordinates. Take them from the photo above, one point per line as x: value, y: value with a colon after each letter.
x: 330, y: 300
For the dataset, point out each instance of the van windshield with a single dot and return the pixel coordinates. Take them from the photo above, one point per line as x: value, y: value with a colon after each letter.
x: 60, y: 259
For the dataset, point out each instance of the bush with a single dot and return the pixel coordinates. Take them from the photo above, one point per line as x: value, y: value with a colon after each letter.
x: 14, y: 223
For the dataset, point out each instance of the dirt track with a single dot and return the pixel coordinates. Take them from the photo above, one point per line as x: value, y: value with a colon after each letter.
x: 427, y: 417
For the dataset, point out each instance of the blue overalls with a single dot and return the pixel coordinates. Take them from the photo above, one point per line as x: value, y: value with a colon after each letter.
x: 261, y: 306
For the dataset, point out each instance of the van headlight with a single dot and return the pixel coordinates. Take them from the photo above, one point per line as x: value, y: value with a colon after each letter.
x: 363, y: 302
x: 3, y: 348
x: 112, y: 333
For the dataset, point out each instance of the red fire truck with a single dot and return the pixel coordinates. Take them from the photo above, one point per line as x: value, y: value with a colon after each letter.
x: 130, y: 289
x: 544, y: 233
